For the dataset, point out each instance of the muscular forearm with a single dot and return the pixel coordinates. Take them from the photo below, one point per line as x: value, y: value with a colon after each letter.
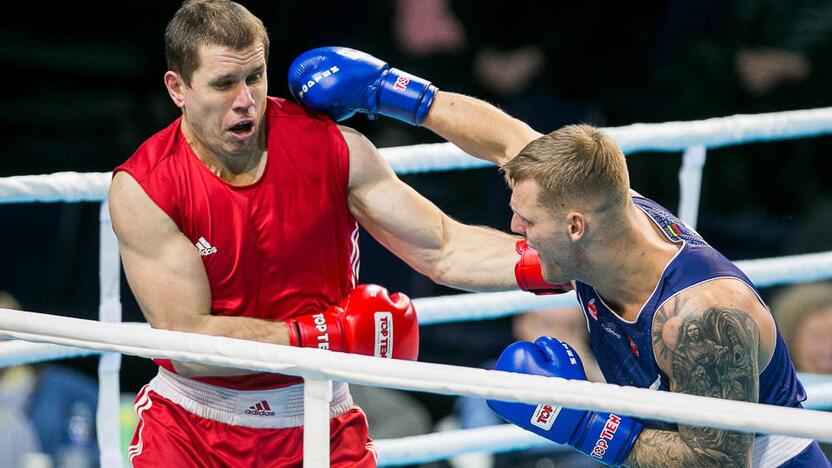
x: 233, y: 327
x: 477, y: 127
x: 660, y: 448
x: 477, y: 258
x: 244, y: 328
x: 706, y: 447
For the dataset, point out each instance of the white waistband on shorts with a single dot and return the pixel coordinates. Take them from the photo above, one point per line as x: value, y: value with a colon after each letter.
x: 773, y: 450
x: 267, y: 409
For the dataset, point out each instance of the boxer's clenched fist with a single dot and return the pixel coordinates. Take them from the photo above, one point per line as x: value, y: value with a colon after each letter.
x: 369, y: 321
x: 341, y: 81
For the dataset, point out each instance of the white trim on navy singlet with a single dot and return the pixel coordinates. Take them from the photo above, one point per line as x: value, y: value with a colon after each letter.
x: 583, y: 309
x: 649, y: 298
x: 773, y: 450
x: 664, y: 270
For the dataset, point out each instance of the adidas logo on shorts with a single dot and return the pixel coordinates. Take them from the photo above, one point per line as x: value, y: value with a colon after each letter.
x: 260, y: 409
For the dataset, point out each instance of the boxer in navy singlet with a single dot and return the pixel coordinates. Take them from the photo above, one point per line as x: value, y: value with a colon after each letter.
x: 624, y: 350
x: 664, y: 309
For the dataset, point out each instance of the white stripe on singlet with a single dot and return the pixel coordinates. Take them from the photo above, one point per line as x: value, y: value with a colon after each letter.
x: 264, y: 409
x: 771, y: 451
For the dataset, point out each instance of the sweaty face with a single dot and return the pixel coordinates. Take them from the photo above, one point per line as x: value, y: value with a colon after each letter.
x: 226, y: 100
x: 538, y: 225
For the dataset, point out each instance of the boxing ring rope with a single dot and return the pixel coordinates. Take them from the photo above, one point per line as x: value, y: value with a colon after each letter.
x: 660, y: 137
x: 691, y: 137
x: 406, y: 450
x: 413, y: 375
x: 483, y: 306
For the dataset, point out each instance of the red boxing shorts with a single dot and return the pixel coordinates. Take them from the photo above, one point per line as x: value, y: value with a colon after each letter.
x: 184, y: 423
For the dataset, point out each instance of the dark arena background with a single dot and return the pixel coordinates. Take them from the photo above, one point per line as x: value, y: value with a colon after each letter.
x: 83, y: 88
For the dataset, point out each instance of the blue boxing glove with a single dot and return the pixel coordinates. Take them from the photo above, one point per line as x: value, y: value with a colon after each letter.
x: 605, y: 437
x: 340, y: 82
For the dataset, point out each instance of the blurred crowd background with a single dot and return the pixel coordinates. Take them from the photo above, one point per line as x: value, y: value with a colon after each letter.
x: 84, y: 89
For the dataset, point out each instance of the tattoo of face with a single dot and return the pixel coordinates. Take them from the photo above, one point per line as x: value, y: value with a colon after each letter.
x: 713, y: 353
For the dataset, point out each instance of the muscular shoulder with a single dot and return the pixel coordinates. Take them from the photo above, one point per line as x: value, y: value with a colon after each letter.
x: 724, y: 292
x: 708, y: 341
x: 719, y: 327
x: 132, y: 211
x: 154, y: 152
x: 353, y: 137
x: 367, y: 168
x: 126, y: 190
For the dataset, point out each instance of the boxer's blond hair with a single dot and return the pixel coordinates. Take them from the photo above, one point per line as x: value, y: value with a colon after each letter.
x: 574, y: 164
x: 209, y: 22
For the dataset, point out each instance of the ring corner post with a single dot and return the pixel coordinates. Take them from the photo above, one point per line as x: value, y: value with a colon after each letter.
x: 317, y: 395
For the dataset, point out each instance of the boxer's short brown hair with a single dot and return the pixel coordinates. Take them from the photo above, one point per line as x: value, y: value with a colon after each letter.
x: 209, y: 22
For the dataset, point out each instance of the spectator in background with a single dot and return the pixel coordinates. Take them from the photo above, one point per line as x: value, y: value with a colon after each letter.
x: 46, y: 408
x: 713, y: 58
x: 424, y: 27
x: 804, y: 313
x: 392, y: 414
x: 17, y: 435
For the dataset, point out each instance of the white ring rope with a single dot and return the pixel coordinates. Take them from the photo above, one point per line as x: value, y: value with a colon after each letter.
x: 483, y: 306
x: 429, y: 448
x: 414, y: 449
x: 17, y: 352
x: 57, y: 187
x: 723, y: 131
x: 479, y: 306
x: 668, y: 136
x: 508, y: 438
x: 418, y: 376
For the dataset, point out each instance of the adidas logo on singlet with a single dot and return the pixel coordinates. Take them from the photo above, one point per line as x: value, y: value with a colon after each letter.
x: 205, y: 247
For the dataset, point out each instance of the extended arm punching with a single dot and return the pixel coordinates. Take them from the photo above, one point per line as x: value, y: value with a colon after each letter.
x: 342, y: 82
x: 420, y: 233
x: 712, y: 348
x: 479, y: 128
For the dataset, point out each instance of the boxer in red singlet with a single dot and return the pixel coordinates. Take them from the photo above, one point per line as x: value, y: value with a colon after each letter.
x: 240, y: 219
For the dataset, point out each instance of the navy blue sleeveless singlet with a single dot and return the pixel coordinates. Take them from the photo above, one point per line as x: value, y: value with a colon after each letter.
x: 624, y: 350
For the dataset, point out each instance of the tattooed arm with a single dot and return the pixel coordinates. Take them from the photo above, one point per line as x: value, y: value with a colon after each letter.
x: 713, y: 352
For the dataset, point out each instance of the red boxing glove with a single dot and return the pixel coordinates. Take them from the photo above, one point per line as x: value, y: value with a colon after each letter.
x: 369, y: 321
x: 529, y: 275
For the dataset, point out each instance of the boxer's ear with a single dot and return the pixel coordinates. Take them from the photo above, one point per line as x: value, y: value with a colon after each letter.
x: 176, y: 88
x: 577, y: 225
